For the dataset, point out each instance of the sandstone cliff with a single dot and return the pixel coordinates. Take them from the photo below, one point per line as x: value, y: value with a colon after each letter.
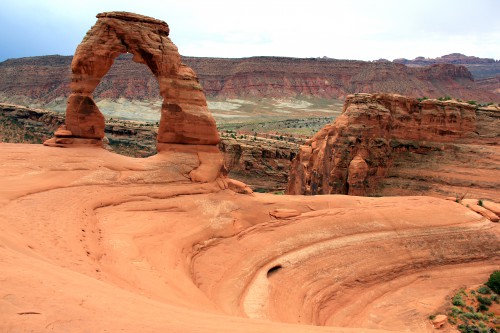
x: 491, y: 84
x: 261, y: 163
x: 20, y: 124
x: 389, y: 144
x: 44, y: 81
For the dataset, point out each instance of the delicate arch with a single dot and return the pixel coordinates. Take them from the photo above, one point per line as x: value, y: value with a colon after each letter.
x: 185, y: 118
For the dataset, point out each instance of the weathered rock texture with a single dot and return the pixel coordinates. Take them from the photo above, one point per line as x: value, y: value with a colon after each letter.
x: 434, y: 168
x: 184, y: 115
x: 491, y: 84
x: 378, y: 136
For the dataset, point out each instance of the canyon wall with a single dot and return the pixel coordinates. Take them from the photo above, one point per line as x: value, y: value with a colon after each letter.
x: 261, y: 163
x: 19, y: 124
x: 383, y: 144
x: 44, y: 81
x: 330, y: 78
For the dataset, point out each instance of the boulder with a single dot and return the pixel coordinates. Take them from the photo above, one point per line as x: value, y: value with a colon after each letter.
x: 439, y: 321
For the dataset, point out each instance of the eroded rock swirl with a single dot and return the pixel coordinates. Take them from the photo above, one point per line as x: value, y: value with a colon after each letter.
x: 95, y: 241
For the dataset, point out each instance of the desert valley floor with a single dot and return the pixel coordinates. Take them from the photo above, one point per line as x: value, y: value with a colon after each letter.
x: 91, y: 241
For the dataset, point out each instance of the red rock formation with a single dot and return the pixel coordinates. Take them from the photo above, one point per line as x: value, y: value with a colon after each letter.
x: 452, y: 58
x: 184, y: 117
x: 21, y: 124
x: 352, y: 154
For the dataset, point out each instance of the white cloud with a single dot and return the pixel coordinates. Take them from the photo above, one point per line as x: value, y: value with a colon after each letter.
x: 363, y: 29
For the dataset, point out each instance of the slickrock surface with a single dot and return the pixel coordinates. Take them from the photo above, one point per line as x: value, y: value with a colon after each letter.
x: 184, y: 114
x: 394, y: 145
x: 91, y: 241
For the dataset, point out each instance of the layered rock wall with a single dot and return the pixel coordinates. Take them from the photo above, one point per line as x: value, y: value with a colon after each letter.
x: 44, y: 81
x: 331, y: 78
x: 351, y: 155
x: 262, y: 164
x: 21, y: 124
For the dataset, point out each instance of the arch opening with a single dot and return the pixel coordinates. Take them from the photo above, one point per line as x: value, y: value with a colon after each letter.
x: 129, y: 98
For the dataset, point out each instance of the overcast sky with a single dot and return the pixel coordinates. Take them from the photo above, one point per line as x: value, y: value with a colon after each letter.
x: 358, y: 29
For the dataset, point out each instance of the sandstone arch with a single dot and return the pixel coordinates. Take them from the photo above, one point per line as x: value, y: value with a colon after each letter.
x: 185, y: 118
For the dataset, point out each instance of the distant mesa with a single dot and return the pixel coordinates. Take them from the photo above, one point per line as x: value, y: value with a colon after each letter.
x: 45, y: 81
x: 452, y: 58
x: 185, y: 118
x: 481, y: 68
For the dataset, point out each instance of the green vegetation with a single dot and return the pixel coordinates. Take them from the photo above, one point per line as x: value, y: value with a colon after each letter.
x: 494, y: 282
x: 446, y: 98
x: 482, y: 307
x: 458, y: 299
x: 471, y: 309
x: 297, y: 127
x: 14, y: 130
x: 483, y: 300
x: 484, y: 290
